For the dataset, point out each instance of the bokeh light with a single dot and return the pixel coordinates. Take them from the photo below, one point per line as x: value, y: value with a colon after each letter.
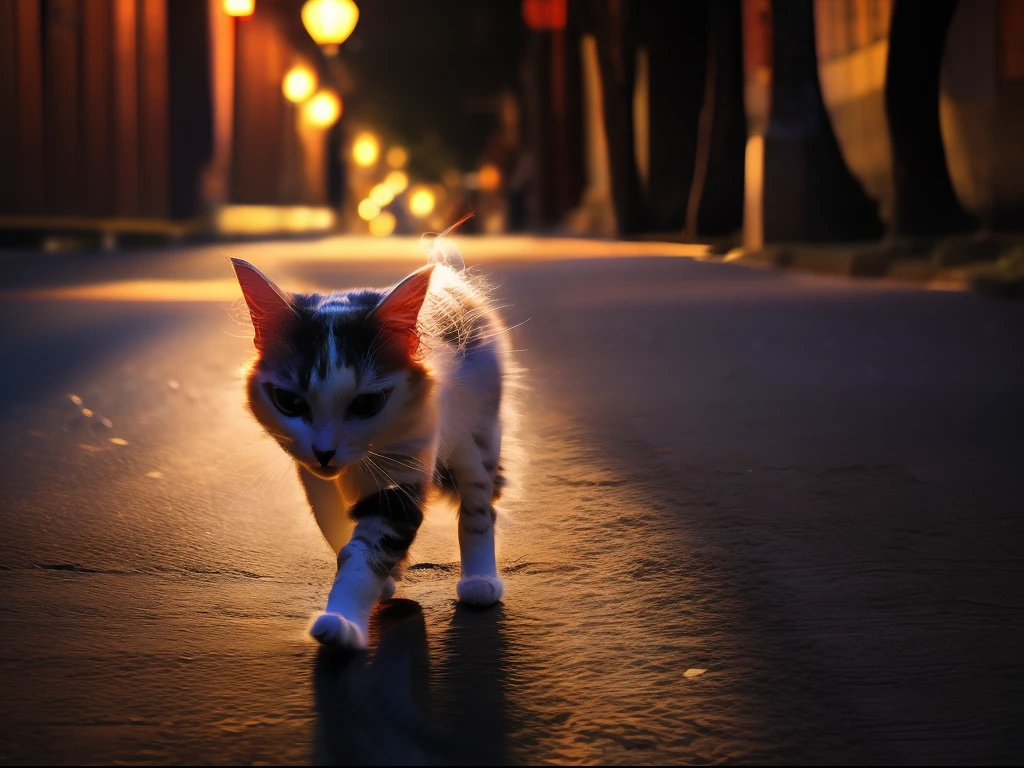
x: 365, y: 149
x: 489, y: 178
x: 239, y: 7
x: 397, y: 181
x: 422, y: 202
x: 397, y: 157
x: 382, y: 195
x: 323, y: 109
x: 367, y: 209
x: 299, y: 83
x: 330, y: 22
x: 383, y: 225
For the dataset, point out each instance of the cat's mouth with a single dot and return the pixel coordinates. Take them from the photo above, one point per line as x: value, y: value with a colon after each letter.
x: 325, y: 473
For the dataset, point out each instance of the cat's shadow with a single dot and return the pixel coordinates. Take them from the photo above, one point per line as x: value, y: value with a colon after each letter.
x: 390, y: 707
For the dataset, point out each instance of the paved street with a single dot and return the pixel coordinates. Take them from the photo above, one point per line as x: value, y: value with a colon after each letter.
x: 808, y: 488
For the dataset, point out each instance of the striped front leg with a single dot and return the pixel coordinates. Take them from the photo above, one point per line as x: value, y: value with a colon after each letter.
x: 479, y: 585
x: 386, y: 524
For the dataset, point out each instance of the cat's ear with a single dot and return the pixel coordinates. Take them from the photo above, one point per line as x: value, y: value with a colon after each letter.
x: 400, y: 308
x: 270, y: 308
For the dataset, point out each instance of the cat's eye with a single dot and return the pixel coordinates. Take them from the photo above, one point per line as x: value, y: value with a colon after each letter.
x: 368, y: 404
x: 288, y: 403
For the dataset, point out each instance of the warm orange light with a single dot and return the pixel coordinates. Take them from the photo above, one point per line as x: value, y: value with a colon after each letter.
x: 299, y: 84
x: 422, y: 202
x: 239, y: 7
x: 397, y: 181
x: 545, y: 15
x: 324, y: 109
x: 365, y: 149
x: 397, y: 157
x: 146, y: 290
x: 382, y: 195
x: 367, y: 209
x: 330, y: 22
x: 383, y: 225
x: 489, y: 178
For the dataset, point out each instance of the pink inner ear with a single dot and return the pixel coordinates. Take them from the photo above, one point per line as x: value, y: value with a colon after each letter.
x: 269, y: 307
x: 401, y: 308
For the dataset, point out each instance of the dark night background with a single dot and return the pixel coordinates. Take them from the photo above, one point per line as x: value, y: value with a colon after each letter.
x: 761, y: 263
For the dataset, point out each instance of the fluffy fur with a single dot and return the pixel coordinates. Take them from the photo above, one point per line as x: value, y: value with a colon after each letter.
x: 381, y: 397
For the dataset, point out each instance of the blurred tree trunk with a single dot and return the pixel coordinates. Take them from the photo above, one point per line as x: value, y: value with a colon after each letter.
x: 554, y: 107
x: 715, y: 205
x: 926, y: 203
x: 809, y: 192
x: 616, y: 53
x: 676, y: 38
x: 190, y: 104
x: 574, y: 166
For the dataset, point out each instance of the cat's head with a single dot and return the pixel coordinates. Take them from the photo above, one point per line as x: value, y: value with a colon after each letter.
x: 337, y: 374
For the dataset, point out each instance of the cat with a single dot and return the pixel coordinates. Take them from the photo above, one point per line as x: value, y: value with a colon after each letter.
x: 383, y: 397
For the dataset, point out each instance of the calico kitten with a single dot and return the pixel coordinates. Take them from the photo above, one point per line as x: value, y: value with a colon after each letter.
x: 381, y: 396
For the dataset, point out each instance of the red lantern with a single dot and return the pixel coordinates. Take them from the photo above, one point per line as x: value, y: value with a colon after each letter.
x: 545, y: 15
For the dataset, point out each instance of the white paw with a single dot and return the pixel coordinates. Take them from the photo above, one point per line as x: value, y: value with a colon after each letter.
x: 480, y: 590
x: 334, y: 629
x: 388, y: 590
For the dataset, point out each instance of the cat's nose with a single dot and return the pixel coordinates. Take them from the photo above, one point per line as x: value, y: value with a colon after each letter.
x: 324, y: 457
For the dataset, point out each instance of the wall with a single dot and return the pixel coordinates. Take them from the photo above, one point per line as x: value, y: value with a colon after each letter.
x: 85, y: 110
x: 152, y: 109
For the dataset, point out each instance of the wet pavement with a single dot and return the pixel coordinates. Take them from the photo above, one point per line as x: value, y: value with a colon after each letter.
x: 761, y: 517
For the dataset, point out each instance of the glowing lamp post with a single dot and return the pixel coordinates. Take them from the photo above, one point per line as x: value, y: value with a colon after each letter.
x: 299, y: 84
x: 330, y: 22
x: 239, y: 7
x: 324, y: 109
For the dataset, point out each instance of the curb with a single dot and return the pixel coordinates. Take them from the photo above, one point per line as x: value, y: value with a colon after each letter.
x: 236, y: 223
x: 989, y: 267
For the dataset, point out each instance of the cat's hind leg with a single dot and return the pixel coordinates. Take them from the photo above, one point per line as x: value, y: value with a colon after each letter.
x: 472, y: 466
x: 386, y: 525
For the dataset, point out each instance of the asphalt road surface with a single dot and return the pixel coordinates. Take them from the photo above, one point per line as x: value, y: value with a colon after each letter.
x: 762, y: 517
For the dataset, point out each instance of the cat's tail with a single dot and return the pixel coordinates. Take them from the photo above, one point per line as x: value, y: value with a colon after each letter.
x: 441, y: 250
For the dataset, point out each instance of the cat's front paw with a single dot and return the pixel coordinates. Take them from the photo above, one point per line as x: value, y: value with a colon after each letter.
x: 335, y: 630
x: 480, y: 590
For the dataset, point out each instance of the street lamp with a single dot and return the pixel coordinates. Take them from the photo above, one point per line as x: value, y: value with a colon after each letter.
x: 239, y: 7
x: 324, y: 109
x: 330, y: 22
x: 299, y: 84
